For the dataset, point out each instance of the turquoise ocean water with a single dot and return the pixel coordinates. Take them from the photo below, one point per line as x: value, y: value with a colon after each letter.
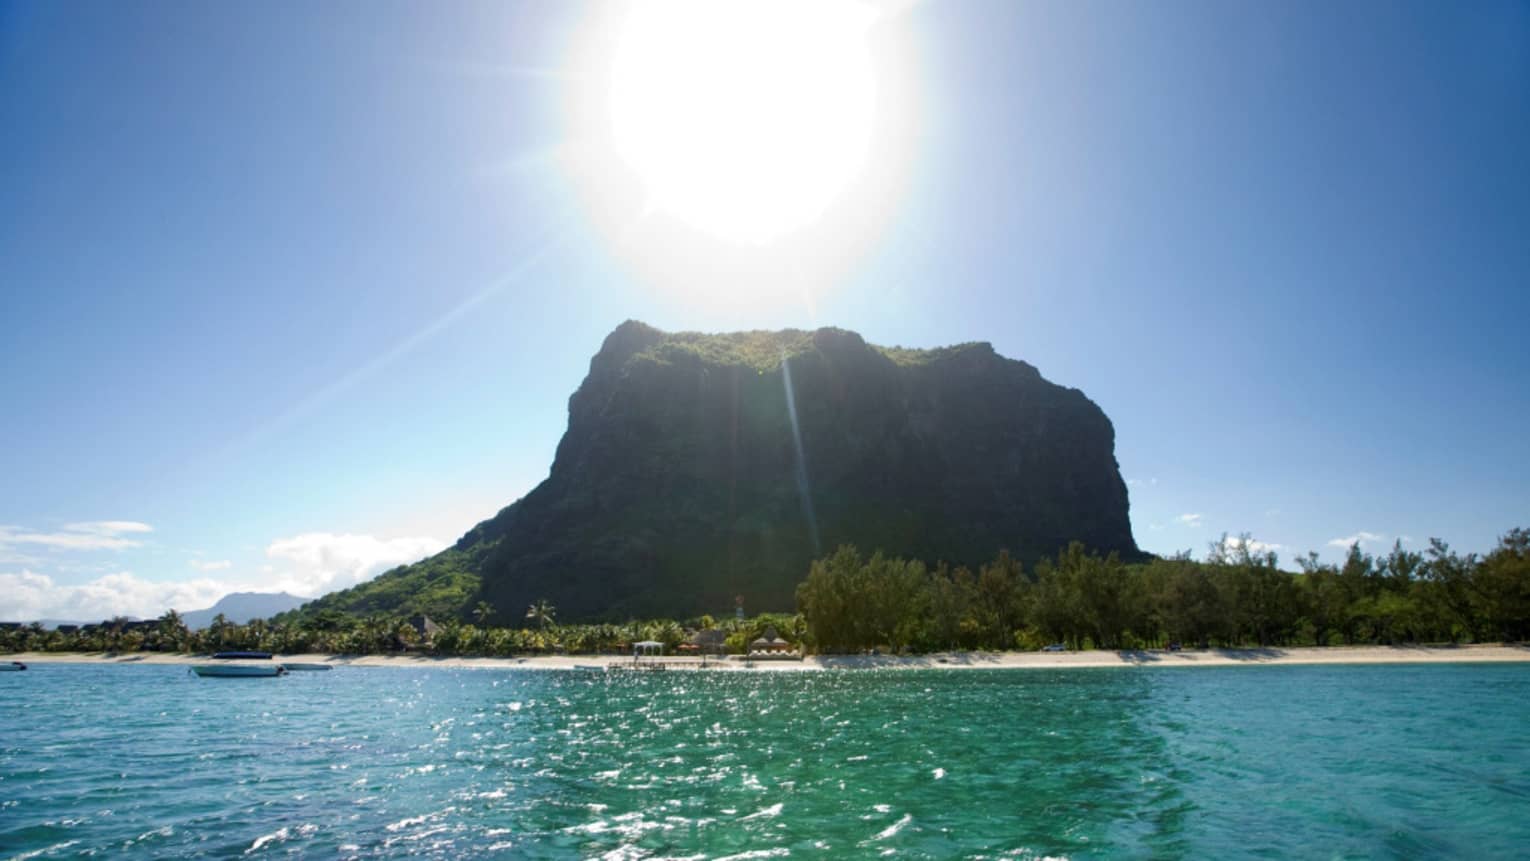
x: 1300, y: 762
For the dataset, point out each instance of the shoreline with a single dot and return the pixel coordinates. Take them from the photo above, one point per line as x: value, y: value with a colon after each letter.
x: 1296, y: 656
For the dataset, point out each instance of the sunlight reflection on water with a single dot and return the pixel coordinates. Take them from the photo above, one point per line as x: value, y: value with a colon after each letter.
x: 147, y: 762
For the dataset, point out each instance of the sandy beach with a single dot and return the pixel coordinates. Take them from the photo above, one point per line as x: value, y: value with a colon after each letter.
x: 947, y: 660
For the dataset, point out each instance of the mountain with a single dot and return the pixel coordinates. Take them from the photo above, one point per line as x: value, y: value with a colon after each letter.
x: 241, y: 607
x: 696, y: 468
x: 50, y: 624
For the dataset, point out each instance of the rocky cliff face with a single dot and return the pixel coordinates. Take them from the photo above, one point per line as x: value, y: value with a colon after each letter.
x: 684, y: 480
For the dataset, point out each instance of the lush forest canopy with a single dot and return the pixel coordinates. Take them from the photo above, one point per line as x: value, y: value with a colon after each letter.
x: 1236, y: 597
x: 852, y: 602
x: 442, y: 587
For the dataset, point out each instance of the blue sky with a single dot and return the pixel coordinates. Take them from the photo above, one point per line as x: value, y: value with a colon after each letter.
x: 293, y: 293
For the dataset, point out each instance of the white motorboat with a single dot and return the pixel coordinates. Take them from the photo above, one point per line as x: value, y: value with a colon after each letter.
x: 243, y: 671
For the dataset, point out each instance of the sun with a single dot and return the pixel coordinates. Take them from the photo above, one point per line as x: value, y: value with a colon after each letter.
x: 742, y: 157
x: 744, y: 120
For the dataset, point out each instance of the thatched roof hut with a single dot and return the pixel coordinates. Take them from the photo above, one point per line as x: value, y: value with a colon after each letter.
x: 770, y: 642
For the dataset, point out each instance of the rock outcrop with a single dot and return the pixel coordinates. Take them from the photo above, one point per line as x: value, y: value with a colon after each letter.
x: 696, y: 468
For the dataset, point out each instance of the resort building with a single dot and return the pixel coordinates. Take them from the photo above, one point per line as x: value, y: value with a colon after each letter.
x: 770, y: 645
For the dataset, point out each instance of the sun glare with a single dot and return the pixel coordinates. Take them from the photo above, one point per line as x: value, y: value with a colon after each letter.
x: 744, y: 120
x: 742, y: 154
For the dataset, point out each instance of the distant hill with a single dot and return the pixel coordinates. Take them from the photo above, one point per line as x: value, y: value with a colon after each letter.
x: 700, y: 467
x: 54, y: 623
x: 242, y: 607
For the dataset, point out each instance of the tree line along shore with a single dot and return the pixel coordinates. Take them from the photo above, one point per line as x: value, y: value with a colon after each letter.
x: 852, y: 603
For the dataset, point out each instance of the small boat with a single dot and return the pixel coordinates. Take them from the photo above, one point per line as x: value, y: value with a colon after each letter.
x: 306, y: 668
x: 12, y: 667
x: 243, y: 671
x: 599, y: 668
x: 242, y: 656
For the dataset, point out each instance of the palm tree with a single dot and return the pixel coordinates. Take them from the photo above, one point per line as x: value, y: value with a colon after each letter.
x: 482, y: 613
x: 256, y: 633
x: 670, y: 633
x: 114, y: 632
x: 405, y: 634
x: 542, y: 611
x: 376, y: 634
x: 218, y: 630
x: 172, y: 628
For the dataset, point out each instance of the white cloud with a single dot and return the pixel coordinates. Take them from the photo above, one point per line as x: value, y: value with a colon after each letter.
x: 1188, y: 519
x: 17, y: 559
x: 29, y: 596
x: 310, y: 564
x: 1361, y: 538
x: 1233, y: 543
x: 89, y: 535
x: 318, y: 562
x: 108, y: 527
x: 1139, y: 482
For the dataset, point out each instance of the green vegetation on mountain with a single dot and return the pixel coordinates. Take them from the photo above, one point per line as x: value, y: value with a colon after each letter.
x: 442, y: 586
x: 696, y: 468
